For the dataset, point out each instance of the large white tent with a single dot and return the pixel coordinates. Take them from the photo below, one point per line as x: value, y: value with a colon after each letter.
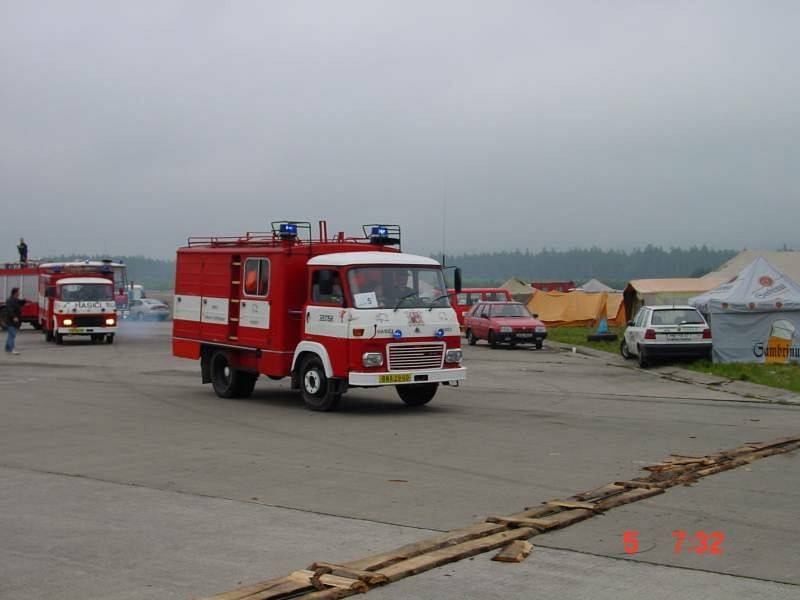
x: 755, y: 317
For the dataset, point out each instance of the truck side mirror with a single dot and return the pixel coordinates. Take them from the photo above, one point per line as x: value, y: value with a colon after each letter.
x: 457, y: 280
x: 325, y: 283
x: 630, y: 323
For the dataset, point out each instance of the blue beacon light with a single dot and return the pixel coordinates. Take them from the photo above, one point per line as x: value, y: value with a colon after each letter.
x: 397, y: 334
x: 440, y: 332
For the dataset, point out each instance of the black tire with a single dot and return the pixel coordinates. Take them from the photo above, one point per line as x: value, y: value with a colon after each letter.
x: 227, y: 381
x: 643, y: 361
x: 471, y: 339
x: 58, y: 338
x: 417, y: 394
x: 539, y: 344
x: 492, y: 341
x: 315, y: 386
x: 110, y: 338
x: 48, y: 335
x: 623, y: 350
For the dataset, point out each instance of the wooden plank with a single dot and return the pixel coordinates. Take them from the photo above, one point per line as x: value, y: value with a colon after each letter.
x: 368, y: 577
x: 627, y: 497
x: 599, y: 492
x: 571, y: 504
x: 515, y: 552
x: 636, y: 484
x: 552, y: 521
x: 537, y: 524
x: 442, y: 556
x: 328, y: 580
x: 449, y: 538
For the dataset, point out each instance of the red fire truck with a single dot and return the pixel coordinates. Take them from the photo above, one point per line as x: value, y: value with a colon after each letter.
x: 25, y: 277
x: 332, y: 313
x: 77, y: 298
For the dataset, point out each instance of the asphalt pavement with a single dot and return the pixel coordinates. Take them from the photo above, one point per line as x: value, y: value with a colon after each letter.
x: 122, y: 476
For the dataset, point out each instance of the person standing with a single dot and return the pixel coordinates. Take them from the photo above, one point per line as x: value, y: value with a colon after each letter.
x: 23, y: 251
x: 14, y: 319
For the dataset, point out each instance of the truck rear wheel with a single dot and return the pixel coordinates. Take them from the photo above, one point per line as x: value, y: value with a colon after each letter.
x: 316, y: 387
x: 417, y: 394
x: 227, y: 381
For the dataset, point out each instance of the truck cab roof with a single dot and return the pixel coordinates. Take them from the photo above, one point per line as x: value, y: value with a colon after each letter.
x: 343, y: 259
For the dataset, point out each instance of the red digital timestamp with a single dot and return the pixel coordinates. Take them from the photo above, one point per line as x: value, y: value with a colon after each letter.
x: 698, y: 543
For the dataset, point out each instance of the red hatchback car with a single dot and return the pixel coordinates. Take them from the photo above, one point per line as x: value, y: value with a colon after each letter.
x: 504, y: 323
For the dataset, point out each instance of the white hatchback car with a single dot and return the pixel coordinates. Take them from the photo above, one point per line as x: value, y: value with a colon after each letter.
x: 666, y: 332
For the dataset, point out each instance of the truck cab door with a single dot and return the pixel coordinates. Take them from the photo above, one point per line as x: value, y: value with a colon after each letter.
x: 325, y: 317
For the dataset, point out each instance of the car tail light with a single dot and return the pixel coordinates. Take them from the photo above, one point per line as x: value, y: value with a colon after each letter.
x: 706, y: 334
x: 650, y: 334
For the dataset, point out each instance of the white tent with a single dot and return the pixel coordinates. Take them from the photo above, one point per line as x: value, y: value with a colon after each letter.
x: 595, y: 285
x: 755, y: 317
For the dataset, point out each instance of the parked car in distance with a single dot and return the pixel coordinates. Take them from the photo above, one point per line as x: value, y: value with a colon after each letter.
x: 504, y: 323
x: 148, y: 308
x: 660, y: 332
x: 463, y: 302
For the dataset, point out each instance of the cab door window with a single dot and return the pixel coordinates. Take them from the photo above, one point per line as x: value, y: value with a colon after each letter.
x: 256, y: 277
x: 326, y: 288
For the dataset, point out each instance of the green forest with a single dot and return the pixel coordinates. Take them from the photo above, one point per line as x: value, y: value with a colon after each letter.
x: 614, y: 267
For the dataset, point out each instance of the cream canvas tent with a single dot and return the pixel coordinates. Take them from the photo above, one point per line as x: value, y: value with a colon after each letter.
x: 520, y: 290
x: 677, y: 290
x: 787, y: 263
x: 755, y: 317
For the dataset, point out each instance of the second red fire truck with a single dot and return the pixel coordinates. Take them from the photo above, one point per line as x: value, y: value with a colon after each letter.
x: 332, y: 313
x: 77, y: 298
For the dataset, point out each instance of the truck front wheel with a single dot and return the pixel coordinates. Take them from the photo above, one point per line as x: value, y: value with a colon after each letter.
x: 316, y: 387
x: 227, y: 381
x: 417, y: 394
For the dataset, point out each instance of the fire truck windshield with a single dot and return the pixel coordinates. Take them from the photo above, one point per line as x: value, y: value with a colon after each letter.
x: 385, y: 287
x: 86, y: 292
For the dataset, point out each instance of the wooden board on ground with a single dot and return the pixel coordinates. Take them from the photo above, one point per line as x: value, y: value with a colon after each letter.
x: 515, y: 552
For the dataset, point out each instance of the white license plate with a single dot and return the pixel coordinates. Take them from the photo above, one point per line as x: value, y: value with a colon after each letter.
x: 524, y: 335
x: 679, y: 337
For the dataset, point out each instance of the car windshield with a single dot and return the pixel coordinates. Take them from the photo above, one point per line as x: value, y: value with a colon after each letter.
x: 509, y: 310
x: 676, y: 316
x: 384, y: 287
x: 90, y: 292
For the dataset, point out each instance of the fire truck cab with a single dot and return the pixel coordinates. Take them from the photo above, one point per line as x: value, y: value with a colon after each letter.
x: 77, y: 298
x: 331, y: 313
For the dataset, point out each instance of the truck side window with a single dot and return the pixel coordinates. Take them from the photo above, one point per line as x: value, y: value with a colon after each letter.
x: 256, y: 277
x: 333, y: 294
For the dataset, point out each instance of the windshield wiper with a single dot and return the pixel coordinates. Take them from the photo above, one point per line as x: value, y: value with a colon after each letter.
x: 435, y: 300
x: 403, y: 299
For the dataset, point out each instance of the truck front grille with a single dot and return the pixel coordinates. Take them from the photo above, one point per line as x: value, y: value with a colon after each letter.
x: 405, y: 357
x: 88, y: 321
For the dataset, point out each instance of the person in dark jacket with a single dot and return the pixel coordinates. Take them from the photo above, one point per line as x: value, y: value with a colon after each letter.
x: 13, y: 319
x: 23, y: 251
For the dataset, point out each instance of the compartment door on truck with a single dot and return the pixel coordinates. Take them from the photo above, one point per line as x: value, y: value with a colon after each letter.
x: 254, y: 302
x: 216, y: 287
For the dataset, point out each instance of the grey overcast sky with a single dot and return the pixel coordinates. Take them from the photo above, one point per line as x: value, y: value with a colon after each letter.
x: 126, y: 126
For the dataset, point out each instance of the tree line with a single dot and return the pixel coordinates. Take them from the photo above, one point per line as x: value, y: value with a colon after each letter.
x: 614, y: 267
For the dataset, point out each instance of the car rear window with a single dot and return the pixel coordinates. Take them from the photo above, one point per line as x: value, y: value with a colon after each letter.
x: 676, y: 316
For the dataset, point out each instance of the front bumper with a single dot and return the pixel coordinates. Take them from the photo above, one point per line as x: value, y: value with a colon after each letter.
x: 421, y: 376
x: 532, y: 338
x: 693, y: 350
x: 85, y: 330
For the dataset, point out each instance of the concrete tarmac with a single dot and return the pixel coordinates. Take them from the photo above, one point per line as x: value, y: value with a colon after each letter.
x: 121, y: 476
